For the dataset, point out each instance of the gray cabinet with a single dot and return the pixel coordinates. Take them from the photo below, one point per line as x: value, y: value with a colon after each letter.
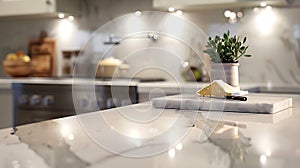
x: 6, y: 106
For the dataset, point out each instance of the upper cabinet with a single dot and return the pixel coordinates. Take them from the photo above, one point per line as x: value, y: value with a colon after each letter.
x: 16, y: 8
x: 26, y: 7
x: 203, y: 4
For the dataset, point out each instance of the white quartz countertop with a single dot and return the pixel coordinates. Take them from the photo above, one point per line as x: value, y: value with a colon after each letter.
x: 141, y: 136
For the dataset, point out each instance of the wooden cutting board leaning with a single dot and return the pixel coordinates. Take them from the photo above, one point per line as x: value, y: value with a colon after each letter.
x: 43, y: 55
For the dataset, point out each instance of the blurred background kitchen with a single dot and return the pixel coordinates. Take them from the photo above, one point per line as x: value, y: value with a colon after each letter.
x: 272, y: 28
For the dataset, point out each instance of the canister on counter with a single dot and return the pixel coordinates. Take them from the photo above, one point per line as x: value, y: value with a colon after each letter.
x: 69, y: 57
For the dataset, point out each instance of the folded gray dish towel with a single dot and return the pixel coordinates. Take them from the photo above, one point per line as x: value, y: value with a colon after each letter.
x: 254, y: 104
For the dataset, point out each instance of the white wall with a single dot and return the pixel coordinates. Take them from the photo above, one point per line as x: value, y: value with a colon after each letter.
x: 275, y: 47
x: 276, y: 56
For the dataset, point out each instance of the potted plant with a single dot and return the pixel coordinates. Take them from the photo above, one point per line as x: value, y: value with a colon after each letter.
x: 225, y: 53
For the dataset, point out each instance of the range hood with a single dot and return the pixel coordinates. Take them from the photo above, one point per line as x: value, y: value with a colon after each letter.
x: 208, y: 4
x: 38, y: 8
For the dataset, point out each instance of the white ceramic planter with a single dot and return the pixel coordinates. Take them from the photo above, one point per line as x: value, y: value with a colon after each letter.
x: 228, y: 72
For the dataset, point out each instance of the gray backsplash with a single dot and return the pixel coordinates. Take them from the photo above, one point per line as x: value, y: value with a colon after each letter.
x: 275, y: 59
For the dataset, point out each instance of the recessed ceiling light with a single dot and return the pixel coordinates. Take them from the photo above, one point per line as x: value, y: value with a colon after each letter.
x: 255, y: 10
x: 179, y: 146
x: 71, y: 18
x: 61, y: 15
x: 268, y: 152
x: 171, y: 9
x: 263, y: 159
x: 138, y: 13
x: 232, y: 20
x: 269, y: 8
x: 227, y: 13
x: 263, y: 4
x: 232, y: 15
x: 240, y: 14
x: 178, y: 12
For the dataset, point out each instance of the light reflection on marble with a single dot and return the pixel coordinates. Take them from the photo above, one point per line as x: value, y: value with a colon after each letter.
x: 46, y: 139
x: 63, y: 143
x: 15, y: 153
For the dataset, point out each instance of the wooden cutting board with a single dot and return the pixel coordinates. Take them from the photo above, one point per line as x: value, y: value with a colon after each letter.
x: 43, y: 53
x: 254, y: 104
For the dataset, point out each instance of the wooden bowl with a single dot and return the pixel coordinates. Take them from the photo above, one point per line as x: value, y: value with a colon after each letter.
x: 17, y: 68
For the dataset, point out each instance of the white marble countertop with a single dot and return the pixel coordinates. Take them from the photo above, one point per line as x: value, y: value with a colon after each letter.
x: 66, y: 81
x: 161, y: 84
x: 140, y: 136
x: 143, y: 87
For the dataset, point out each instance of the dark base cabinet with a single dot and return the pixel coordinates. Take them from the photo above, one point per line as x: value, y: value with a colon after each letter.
x: 40, y: 102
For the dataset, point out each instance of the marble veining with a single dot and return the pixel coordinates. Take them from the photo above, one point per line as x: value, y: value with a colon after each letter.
x: 15, y: 153
x: 49, y: 144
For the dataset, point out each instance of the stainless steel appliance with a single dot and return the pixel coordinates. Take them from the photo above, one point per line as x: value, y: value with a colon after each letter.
x: 39, y: 102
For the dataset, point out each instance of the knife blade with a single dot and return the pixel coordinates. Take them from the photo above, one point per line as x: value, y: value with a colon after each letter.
x: 240, y: 98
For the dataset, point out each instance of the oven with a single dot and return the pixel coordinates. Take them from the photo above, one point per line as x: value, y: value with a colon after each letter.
x: 39, y: 102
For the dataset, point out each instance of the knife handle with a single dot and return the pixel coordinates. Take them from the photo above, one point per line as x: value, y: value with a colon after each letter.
x: 240, y: 98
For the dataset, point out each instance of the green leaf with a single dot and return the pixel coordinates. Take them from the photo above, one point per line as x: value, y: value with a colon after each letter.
x: 225, y: 36
x: 245, y: 39
x: 239, y: 44
x: 229, y: 54
x: 234, y: 40
x: 247, y: 55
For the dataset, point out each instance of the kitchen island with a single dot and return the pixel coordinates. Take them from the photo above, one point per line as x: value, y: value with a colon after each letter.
x: 142, y: 136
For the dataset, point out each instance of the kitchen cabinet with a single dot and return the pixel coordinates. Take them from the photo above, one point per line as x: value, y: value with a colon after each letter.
x: 26, y: 7
x: 38, y: 7
x: 29, y: 100
x: 6, y: 104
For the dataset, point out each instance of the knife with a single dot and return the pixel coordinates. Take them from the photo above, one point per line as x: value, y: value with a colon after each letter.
x: 240, y: 98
